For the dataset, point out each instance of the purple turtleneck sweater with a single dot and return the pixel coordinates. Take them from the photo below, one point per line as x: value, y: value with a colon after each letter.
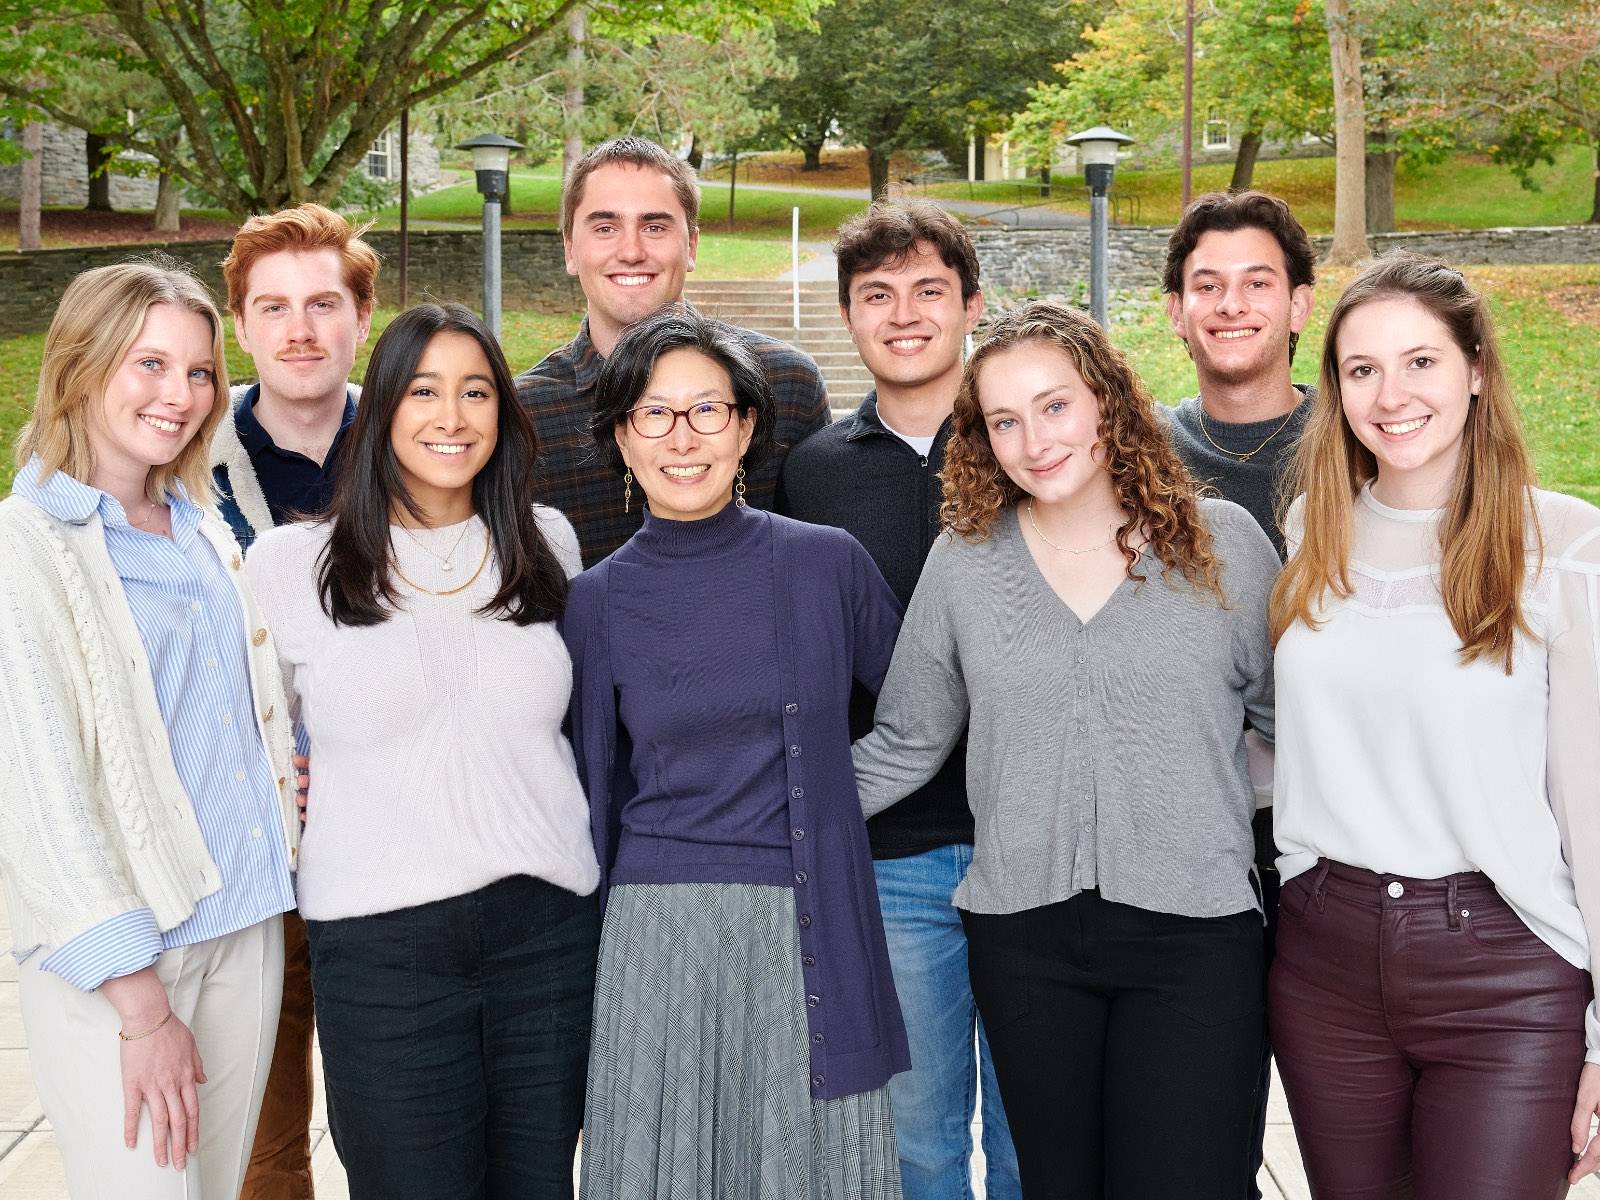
x: 713, y: 663
x: 695, y: 659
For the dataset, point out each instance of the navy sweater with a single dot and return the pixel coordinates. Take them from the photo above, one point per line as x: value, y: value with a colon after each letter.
x: 858, y: 476
x: 713, y: 662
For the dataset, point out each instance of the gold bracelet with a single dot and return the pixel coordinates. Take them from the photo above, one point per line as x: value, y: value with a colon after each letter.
x: 135, y: 1037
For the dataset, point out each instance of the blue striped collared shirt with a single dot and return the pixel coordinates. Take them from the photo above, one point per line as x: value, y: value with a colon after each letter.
x: 190, y: 621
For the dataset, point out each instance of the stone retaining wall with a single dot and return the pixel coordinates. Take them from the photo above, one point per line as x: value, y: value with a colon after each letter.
x: 1057, y: 260
x: 443, y: 266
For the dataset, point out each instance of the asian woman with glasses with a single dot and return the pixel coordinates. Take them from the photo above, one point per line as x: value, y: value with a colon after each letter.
x: 745, y: 1018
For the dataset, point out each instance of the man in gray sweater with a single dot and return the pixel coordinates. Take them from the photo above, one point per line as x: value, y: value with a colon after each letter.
x: 1238, y: 278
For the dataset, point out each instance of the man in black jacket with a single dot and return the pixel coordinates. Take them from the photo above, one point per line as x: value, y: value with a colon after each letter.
x: 908, y: 291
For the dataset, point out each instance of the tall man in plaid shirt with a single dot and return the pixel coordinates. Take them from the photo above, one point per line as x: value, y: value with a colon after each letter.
x: 629, y: 222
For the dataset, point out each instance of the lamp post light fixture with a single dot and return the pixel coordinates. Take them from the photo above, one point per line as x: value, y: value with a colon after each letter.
x: 1097, y: 150
x: 491, y: 162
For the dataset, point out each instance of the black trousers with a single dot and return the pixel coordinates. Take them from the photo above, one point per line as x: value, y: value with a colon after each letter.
x: 1127, y: 1044
x: 455, y: 1042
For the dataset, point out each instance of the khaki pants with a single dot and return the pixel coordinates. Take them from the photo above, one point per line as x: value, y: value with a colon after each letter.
x: 280, y: 1164
x: 226, y: 990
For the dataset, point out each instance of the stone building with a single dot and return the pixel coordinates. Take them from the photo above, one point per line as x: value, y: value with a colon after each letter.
x: 66, y: 169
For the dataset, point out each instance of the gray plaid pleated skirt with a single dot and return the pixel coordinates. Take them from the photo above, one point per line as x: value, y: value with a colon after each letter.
x: 700, y: 1064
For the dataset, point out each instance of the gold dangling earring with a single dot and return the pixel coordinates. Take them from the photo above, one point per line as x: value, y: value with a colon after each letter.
x: 627, y: 489
x: 738, y: 487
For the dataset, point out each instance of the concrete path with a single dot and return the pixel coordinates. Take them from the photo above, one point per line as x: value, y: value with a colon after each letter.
x: 821, y: 267
x: 1026, y: 215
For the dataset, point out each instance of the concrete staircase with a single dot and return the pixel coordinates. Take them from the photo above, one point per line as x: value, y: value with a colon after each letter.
x: 767, y: 306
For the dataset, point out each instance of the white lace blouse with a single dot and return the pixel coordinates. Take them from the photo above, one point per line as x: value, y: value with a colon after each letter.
x: 1394, y: 757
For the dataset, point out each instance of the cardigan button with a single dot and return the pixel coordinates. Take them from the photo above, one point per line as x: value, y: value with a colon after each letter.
x: 271, y: 708
x: 818, y: 1080
x: 798, y: 835
x: 797, y: 792
x: 813, y: 1000
x: 258, y: 638
x: 818, y: 1039
x: 236, y: 562
x: 808, y: 960
x: 805, y: 920
x: 800, y: 877
x: 791, y: 709
x: 794, y: 751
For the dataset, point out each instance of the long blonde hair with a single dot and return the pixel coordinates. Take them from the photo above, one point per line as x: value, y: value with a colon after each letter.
x: 1149, y: 479
x: 1485, y: 529
x: 98, y: 318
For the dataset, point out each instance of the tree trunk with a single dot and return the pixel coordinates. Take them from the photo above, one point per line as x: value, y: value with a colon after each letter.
x: 96, y: 152
x: 1381, y: 158
x: 1044, y: 181
x: 1594, y: 209
x: 167, y: 192
x: 878, y: 172
x: 32, y: 187
x: 697, y: 154
x: 1350, y: 138
x: 979, y: 155
x: 733, y: 182
x: 572, y: 99
x: 813, y: 153
x: 1244, y: 162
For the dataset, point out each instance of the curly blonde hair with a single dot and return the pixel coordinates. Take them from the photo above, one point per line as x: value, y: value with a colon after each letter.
x: 1148, y: 477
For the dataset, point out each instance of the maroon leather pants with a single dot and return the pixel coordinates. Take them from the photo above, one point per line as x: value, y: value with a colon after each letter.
x: 1429, y: 1043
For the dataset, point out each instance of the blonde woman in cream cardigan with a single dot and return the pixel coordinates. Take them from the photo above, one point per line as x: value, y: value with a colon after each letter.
x: 149, y: 827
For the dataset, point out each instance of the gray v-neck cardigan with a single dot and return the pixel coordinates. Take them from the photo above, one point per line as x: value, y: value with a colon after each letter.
x: 1104, y: 755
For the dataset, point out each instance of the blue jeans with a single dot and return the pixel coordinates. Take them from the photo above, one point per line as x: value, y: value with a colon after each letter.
x: 933, y: 1101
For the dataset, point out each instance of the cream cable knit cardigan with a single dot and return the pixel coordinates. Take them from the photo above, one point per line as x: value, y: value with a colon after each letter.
x: 95, y: 820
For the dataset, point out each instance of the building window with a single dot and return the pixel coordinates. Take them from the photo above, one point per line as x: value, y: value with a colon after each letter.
x: 1217, y: 133
x: 378, y: 157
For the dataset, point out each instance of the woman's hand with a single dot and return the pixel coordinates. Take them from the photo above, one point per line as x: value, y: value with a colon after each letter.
x: 302, y: 782
x: 1587, y: 1107
x: 159, y: 1070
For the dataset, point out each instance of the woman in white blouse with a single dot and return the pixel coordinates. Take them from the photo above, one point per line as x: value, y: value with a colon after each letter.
x: 1438, y: 768
x: 447, y: 875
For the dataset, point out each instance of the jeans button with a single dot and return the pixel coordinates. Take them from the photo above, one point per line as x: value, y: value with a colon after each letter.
x: 1396, y: 890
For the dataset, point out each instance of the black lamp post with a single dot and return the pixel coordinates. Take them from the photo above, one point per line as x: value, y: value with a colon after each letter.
x: 1097, y: 149
x: 491, y: 161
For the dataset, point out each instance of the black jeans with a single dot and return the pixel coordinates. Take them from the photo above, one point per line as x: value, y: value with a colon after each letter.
x: 455, y: 1041
x: 1127, y: 1044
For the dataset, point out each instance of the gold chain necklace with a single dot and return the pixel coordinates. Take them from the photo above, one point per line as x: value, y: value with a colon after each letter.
x: 1248, y: 455
x: 482, y: 562
x: 1064, y: 549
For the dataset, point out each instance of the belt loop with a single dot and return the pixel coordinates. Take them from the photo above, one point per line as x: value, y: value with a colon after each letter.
x: 1318, y: 881
x: 1452, y: 904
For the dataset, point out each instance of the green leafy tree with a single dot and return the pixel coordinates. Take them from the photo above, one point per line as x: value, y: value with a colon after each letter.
x: 1533, y: 67
x: 279, y: 103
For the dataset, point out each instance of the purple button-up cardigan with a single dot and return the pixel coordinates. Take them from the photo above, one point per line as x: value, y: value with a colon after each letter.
x: 837, y: 621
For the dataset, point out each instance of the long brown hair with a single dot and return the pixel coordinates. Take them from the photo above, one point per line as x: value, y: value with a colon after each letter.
x: 1486, y: 527
x: 1149, y: 479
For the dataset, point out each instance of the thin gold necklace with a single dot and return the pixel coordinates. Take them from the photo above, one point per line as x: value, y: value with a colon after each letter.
x: 1064, y: 549
x: 482, y: 562
x: 1248, y: 455
x: 447, y: 560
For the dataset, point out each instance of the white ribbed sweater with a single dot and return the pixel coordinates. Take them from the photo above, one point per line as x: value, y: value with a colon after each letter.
x: 96, y: 820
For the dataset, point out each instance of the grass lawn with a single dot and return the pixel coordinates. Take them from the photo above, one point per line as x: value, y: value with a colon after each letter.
x: 1548, y: 317
x: 536, y: 204
x: 1463, y: 192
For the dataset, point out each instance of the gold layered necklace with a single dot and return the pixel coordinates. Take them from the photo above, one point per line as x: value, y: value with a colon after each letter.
x: 482, y: 562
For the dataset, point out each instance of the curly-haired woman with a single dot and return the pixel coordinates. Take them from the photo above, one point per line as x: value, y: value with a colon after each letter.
x: 1104, y: 632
